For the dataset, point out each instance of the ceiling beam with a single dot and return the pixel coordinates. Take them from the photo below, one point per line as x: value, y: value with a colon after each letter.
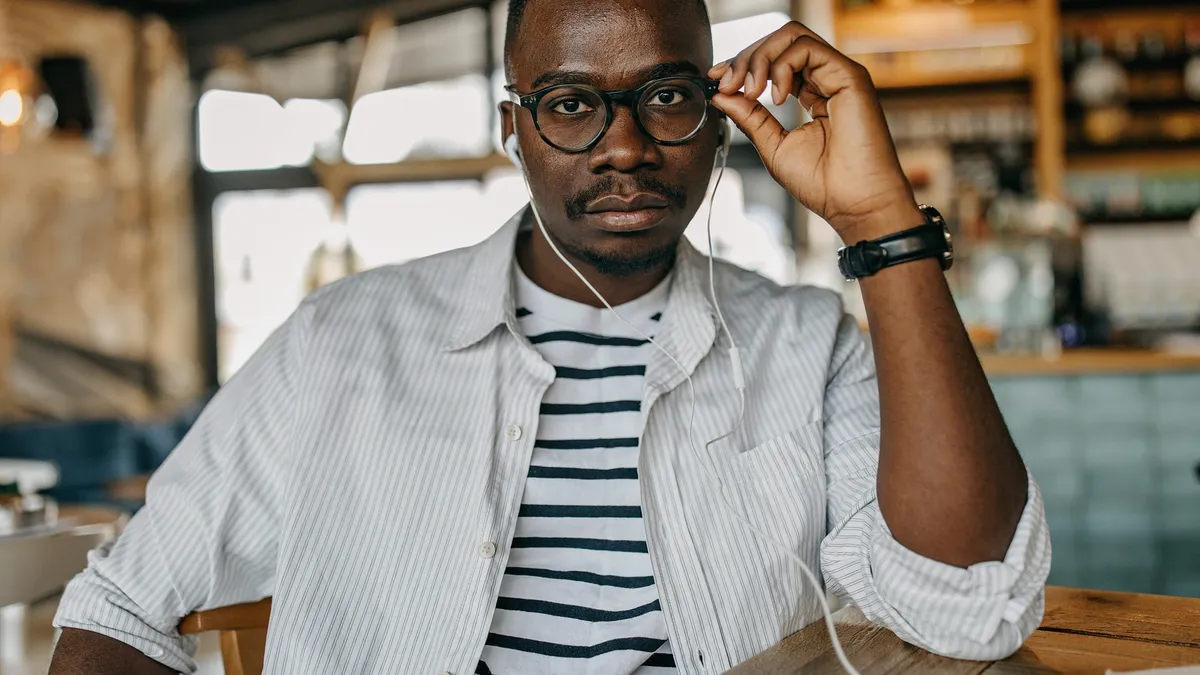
x: 274, y: 26
x: 377, y: 56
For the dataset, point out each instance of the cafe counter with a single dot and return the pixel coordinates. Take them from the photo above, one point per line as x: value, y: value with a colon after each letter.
x: 1113, y: 438
x: 1091, y: 362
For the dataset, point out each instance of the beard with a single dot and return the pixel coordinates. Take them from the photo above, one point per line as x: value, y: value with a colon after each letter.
x: 629, y: 264
x: 637, y: 260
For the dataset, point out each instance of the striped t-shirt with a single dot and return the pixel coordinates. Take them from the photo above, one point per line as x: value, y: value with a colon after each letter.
x: 578, y: 595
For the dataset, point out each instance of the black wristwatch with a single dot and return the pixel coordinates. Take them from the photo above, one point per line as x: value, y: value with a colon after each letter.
x: 931, y: 240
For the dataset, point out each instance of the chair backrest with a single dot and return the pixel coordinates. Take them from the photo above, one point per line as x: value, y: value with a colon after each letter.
x: 243, y: 630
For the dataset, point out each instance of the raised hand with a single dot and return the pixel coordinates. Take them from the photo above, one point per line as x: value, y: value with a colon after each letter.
x: 842, y: 165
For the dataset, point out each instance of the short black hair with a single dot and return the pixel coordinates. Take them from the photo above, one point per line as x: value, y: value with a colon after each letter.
x: 516, y: 12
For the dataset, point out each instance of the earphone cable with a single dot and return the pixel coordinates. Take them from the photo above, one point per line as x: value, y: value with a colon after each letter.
x: 705, y: 458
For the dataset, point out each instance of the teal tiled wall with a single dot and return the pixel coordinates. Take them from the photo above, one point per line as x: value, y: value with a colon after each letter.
x: 1116, y: 458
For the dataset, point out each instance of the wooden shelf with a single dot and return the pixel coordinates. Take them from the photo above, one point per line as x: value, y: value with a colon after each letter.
x: 1089, y: 362
x: 929, y: 18
x: 1174, y: 61
x: 1160, y: 146
x: 1135, y: 158
x: 1073, y: 6
x: 893, y: 43
x: 937, y: 83
x: 1075, y: 109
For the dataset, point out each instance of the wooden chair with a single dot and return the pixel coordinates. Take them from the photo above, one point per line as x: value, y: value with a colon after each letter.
x: 243, y: 630
x: 1098, y: 614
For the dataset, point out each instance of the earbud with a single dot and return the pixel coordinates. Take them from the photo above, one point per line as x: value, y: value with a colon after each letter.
x: 726, y: 136
x: 512, y: 149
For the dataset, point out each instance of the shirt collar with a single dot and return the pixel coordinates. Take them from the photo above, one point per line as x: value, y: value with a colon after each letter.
x: 486, y: 297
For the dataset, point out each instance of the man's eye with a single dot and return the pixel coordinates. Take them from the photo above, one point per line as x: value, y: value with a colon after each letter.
x: 570, y: 106
x: 667, y: 97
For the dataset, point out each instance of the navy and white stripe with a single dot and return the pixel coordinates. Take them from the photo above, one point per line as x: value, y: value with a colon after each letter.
x: 578, y: 593
x: 366, y: 468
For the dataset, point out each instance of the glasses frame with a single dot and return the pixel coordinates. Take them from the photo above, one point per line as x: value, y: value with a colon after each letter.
x: 626, y: 97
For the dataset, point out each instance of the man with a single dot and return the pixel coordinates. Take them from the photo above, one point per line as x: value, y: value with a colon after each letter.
x: 464, y: 465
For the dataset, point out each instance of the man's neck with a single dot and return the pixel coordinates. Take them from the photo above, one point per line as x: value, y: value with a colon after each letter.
x: 543, y: 267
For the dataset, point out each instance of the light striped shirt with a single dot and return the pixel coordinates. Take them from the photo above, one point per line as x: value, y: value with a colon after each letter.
x: 578, y: 594
x: 366, y: 469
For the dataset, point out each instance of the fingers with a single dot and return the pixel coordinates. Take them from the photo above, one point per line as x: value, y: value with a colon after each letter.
x: 759, y: 125
x: 814, y: 72
x: 733, y: 72
x: 781, y: 56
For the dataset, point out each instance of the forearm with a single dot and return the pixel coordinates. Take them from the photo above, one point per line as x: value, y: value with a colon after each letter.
x: 951, y: 484
x: 81, y: 652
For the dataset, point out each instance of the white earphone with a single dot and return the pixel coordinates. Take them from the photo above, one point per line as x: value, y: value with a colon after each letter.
x: 513, y: 150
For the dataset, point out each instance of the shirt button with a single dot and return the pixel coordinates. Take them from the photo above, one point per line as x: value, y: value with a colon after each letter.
x: 512, y: 432
x: 445, y: 672
x: 154, y: 651
x: 487, y: 549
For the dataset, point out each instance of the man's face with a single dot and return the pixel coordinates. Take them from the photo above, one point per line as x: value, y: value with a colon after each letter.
x: 622, y: 205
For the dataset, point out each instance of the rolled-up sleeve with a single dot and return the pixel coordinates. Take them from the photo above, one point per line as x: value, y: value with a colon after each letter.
x: 985, y: 611
x: 207, y: 534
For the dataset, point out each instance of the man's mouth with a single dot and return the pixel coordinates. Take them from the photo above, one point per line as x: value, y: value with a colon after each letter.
x: 627, y: 213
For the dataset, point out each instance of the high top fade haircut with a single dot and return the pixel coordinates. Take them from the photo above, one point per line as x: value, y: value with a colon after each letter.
x: 516, y: 12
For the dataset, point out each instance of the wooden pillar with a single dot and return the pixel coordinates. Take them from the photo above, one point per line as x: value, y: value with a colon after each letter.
x: 1047, y: 90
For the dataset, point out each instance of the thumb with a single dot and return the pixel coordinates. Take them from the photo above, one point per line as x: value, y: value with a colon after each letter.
x: 753, y: 118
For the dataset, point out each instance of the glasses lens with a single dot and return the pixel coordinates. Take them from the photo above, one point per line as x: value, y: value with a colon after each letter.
x: 672, y: 110
x: 571, y: 117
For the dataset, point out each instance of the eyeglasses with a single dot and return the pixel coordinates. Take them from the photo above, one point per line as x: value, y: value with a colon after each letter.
x: 574, y: 117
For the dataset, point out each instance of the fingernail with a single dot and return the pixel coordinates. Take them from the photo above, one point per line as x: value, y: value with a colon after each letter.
x: 749, y: 83
x: 726, y: 78
x: 775, y: 93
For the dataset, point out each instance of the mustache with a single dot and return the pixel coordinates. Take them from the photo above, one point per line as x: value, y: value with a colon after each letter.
x: 576, y: 206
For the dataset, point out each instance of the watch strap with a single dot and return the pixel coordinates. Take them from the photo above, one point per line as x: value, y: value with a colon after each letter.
x: 924, y: 241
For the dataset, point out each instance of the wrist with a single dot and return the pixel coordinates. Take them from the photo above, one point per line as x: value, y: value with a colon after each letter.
x: 881, y: 223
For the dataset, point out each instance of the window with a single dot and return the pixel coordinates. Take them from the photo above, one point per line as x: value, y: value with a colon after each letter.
x: 318, y: 122
x: 450, y: 118
x: 722, y: 11
x: 263, y: 245
x: 438, y: 101
x: 242, y: 131
x: 395, y: 223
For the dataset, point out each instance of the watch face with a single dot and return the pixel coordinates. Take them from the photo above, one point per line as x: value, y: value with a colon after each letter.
x: 844, y: 265
x: 935, y: 218
x: 948, y: 256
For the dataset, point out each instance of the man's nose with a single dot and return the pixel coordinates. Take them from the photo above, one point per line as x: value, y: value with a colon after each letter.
x: 624, y: 147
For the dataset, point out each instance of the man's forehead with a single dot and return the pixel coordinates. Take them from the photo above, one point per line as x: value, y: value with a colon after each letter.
x: 609, y: 44
x: 630, y: 74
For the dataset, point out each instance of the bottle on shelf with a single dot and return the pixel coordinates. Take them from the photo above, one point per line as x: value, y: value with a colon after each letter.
x: 1191, y: 70
x: 1099, y: 80
x: 1125, y: 45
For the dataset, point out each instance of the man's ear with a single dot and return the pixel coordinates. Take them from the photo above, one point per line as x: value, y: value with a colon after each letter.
x: 507, y: 119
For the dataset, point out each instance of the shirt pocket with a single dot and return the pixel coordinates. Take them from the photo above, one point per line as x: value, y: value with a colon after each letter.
x: 779, y: 488
x: 789, y: 462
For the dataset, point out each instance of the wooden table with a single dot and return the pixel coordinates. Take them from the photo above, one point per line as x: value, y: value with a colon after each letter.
x: 1083, y: 632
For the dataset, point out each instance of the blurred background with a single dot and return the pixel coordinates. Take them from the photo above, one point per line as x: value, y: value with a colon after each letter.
x: 176, y: 175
